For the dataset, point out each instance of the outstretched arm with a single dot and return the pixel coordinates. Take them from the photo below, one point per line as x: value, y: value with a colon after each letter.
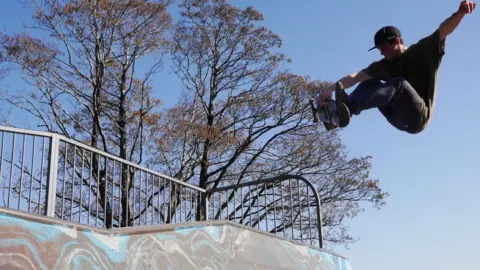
x: 451, y: 23
x: 349, y: 80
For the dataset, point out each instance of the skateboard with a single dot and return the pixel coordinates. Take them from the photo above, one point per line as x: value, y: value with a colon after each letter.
x: 333, y: 113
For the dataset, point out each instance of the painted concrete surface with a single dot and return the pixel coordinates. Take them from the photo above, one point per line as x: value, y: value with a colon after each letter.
x: 35, y: 242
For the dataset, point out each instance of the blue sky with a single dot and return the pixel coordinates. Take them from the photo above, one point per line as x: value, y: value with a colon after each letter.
x: 431, y: 219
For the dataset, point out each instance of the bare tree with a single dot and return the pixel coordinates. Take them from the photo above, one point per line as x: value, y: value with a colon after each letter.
x: 243, y: 119
x: 85, y: 81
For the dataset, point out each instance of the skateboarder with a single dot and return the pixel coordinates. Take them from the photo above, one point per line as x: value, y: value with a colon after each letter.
x: 402, y: 85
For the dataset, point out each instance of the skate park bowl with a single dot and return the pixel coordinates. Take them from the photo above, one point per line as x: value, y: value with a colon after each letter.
x: 66, y: 205
x: 29, y: 241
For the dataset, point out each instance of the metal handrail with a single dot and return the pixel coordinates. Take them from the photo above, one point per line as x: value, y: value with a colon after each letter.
x: 126, y: 162
x: 89, y: 148
x: 281, y: 178
x: 53, y: 159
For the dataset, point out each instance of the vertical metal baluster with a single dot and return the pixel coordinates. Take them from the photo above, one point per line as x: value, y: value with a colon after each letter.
x: 203, y: 206
x: 81, y: 187
x: 300, y: 210
x: 188, y: 210
x: 170, y: 205
x: 167, y: 204
x: 187, y: 189
x: 65, y: 158
x: 195, y: 204
x: 274, y: 209
x: 90, y: 187
x: 128, y: 182
x: 258, y: 208
x: 147, y: 206
x: 153, y: 199
x: 283, y: 208
x: 164, y: 200
x: 176, y: 202
x: 11, y: 170
x: 140, y: 201
x: 113, y: 192
x: 105, y: 179
x: 152, y: 194
x: 147, y: 197
x: 41, y: 173
x: 291, y: 207
x: 220, y: 205
x: 133, y: 195
x: 190, y: 214
x: 158, y: 199
x: 98, y: 188
x: 31, y: 173
x: 250, y: 205
x: 309, y: 217
x: 181, y: 200
x: 1, y: 164
x: 266, y: 207
x: 241, y: 205
x: 192, y: 205
x: 234, y: 205
x: 213, y: 206
x: 120, y: 189
x: 180, y: 192
x: 73, y: 180
x: 227, y: 202
x: 21, y: 171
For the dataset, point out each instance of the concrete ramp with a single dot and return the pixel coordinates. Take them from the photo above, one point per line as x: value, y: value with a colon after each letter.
x: 30, y: 241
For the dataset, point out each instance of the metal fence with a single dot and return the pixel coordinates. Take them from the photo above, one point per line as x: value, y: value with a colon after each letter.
x: 91, y: 187
x: 102, y: 190
x: 285, y: 205
x: 49, y: 174
x: 24, y: 175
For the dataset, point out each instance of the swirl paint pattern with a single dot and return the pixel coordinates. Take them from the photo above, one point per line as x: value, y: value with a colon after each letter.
x: 35, y: 242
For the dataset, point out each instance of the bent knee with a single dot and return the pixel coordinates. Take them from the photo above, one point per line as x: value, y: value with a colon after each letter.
x: 401, y: 82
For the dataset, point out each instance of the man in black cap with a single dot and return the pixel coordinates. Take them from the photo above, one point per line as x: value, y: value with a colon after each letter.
x: 402, y: 85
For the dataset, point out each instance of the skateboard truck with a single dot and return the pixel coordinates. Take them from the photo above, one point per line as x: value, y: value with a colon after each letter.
x: 315, y: 118
x: 344, y: 114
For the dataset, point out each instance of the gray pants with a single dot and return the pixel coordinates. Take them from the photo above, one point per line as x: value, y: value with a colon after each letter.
x: 396, y: 99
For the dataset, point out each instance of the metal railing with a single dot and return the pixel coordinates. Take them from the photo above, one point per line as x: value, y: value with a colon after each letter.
x: 24, y: 175
x: 285, y: 205
x: 100, y: 189
x: 91, y: 187
x: 49, y: 174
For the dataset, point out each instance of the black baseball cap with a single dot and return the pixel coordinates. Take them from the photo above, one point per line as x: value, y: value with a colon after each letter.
x: 384, y: 34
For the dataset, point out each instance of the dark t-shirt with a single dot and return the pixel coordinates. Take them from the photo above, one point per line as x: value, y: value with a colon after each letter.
x: 418, y: 65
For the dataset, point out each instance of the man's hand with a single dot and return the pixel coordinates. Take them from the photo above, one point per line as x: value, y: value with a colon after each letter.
x: 451, y: 23
x: 325, y: 94
x: 467, y: 7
